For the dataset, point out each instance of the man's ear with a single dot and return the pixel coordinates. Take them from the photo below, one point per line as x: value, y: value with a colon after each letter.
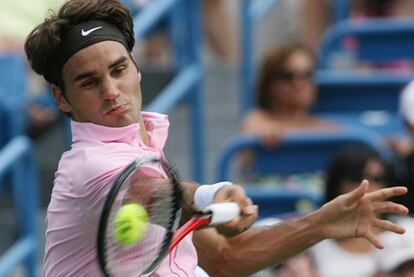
x: 60, y: 99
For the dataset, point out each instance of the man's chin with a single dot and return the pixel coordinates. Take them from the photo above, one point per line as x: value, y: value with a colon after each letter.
x: 120, y: 122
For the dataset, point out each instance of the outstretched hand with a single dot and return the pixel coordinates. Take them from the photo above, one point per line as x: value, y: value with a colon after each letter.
x: 358, y: 214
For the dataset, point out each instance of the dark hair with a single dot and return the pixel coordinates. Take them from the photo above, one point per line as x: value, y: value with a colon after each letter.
x: 43, y: 42
x: 348, y: 164
x: 273, y: 63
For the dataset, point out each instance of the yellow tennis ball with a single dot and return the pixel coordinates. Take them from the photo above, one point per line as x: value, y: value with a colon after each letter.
x: 130, y: 223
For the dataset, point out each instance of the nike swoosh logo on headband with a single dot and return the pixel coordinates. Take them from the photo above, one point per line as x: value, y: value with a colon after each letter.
x: 86, y: 33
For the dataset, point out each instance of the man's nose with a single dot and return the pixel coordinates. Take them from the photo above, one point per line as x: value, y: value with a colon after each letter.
x: 110, y: 89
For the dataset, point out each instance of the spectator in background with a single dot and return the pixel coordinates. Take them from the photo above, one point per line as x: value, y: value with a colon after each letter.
x: 404, y: 166
x: 284, y: 95
x: 397, y: 257
x: 350, y: 257
x: 218, y: 32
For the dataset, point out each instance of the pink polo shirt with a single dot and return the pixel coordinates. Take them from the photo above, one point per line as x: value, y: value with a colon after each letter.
x: 83, y: 179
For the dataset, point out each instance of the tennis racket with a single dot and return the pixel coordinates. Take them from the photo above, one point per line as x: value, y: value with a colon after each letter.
x: 154, y: 185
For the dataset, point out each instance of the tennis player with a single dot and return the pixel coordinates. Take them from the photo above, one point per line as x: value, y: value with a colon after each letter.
x: 84, y: 52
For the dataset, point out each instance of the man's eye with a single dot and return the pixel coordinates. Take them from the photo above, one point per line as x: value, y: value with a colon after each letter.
x: 120, y: 70
x: 89, y: 83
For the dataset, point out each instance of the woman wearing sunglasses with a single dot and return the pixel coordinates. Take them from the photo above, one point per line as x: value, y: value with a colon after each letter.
x: 285, y: 93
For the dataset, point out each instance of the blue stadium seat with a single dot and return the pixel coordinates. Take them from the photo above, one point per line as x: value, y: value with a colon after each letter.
x: 298, y: 152
x: 367, y: 99
x: 359, y: 92
x: 378, y: 40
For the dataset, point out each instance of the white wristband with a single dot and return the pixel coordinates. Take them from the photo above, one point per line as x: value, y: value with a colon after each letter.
x: 204, y: 195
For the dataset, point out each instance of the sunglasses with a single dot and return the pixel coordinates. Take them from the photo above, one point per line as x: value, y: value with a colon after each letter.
x: 294, y: 75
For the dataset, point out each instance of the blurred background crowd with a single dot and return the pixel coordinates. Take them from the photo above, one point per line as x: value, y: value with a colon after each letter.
x: 297, y: 100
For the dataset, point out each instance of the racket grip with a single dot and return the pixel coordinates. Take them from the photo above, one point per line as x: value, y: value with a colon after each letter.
x: 223, y: 212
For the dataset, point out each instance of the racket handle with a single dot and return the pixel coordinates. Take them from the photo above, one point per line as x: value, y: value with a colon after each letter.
x: 223, y: 212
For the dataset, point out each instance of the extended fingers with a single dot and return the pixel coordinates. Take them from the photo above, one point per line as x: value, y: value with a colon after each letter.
x: 385, y: 225
x: 388, y: 226
x: 356, y: 194
x: 389, y: 207
x: 384, y: 194
x: 374, y: 240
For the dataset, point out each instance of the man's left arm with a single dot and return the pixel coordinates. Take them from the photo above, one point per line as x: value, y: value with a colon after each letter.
x: 355, y: 214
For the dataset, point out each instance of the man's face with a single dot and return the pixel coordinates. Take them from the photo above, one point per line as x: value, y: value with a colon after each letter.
x: 102, y: 86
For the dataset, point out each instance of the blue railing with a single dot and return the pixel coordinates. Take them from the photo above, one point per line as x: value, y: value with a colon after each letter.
x: 298, y: 152
x: 17, y: 157
x: 185, y: 36
x: 12, y: 94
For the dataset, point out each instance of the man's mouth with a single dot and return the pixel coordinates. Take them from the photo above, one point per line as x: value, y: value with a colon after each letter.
x: 115, y: 110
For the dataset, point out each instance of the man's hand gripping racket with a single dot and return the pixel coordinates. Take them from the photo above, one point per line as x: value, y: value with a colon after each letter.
x: 140, y: 218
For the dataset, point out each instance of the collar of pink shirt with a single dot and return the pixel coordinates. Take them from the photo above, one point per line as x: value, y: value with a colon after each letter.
x: 156, y: 126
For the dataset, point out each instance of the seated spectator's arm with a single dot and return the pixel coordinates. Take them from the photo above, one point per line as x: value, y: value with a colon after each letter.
x: 316, y: 19
x: 257, y: 123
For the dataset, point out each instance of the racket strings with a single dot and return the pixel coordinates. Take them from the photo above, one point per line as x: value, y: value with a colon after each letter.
x: 163, y: 210
x: 159, y: 198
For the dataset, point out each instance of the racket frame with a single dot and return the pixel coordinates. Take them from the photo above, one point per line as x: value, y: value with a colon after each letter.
x: 111, y: 196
